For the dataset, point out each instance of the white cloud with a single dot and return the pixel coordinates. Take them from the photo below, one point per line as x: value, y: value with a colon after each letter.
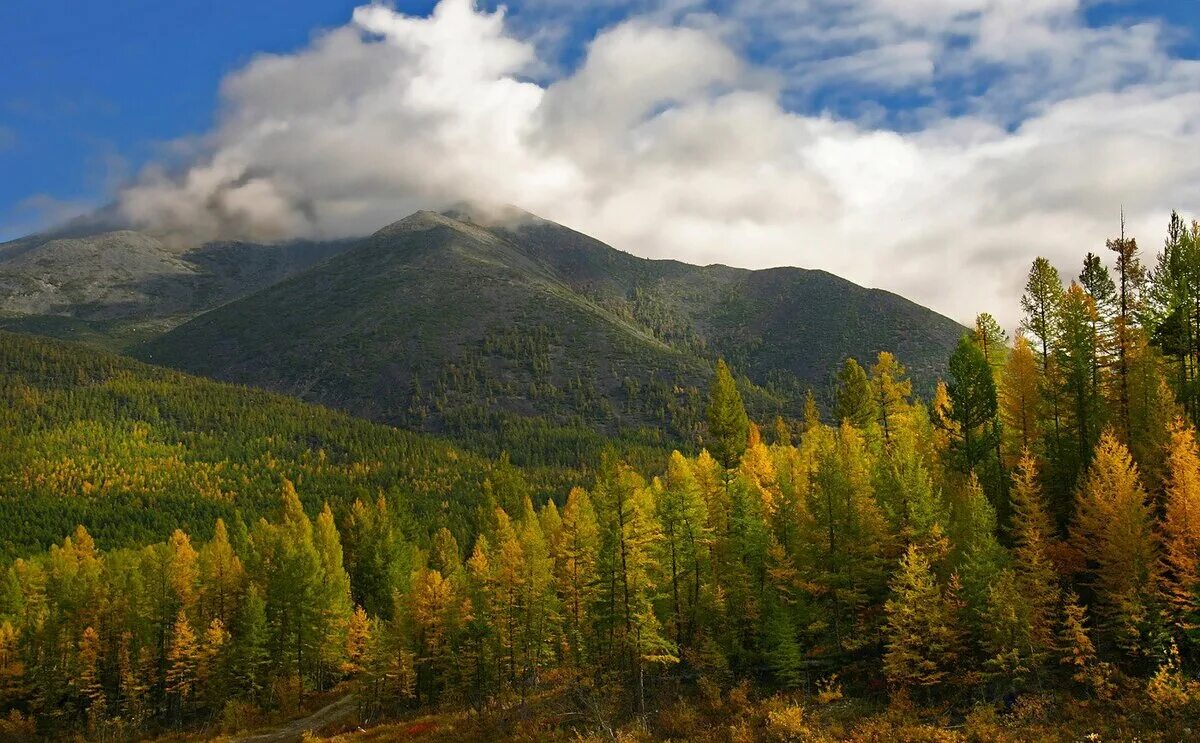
x: 666, y: 142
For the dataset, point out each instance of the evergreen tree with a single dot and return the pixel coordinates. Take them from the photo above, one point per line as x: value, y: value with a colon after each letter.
x: 539, y: 626
x: 629, y: 537
x: 1012, y: 656
x: 432, y: 603
x: 288, y: 567
x: 1041, y: 304
x: 1077, y: 652
x: 1172, y: 309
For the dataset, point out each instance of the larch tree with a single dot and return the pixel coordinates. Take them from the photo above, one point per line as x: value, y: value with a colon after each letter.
x: 12, y: 666
x: 892, y: 391
x: 578, y: 549
x: 682, y: 516
x: 1011, y: 655
x: 1033, y: 534
x: 222, y: 577
x: 183, y: 659
x: 1077, y: 651
x: 854, y: 400
x: 1021, y: 400
x: 1075, y: 362
x: 630, y: 534
x: 87, y: 679
x: 1041, y: 305
x: 844, y: 543
x: 973, y: 411
x: 333, y: 594
x: 1130, y: 277
x: 923, y: 638
x: 1152, y: 410
x: 906, y: 492
x: 288, y: 567
x: 992, y: 342
x: 1181, y: 534
x: 1173, y: 307
x: 249, y: 649
x: 505, y: 587
x: 431, y: 604
x: 977, y: 554
x: 212, y: 668
x: 1097, y: 281
x: 540, y: 624
x: 728, y: 424
x: 1114, y: 531
x: 358, y: 640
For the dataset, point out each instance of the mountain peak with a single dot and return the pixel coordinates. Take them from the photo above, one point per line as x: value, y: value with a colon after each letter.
x: 418, y: 221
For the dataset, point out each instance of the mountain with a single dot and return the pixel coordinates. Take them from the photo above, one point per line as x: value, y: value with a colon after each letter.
x: 132, y: 452
x: 530, y: 337
x: 112, y: 287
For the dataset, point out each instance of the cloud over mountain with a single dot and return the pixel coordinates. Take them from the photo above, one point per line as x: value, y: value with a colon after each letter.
x: 676, y: 136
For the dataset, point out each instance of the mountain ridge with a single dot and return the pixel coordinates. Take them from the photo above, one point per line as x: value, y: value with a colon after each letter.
x: 453, y: 323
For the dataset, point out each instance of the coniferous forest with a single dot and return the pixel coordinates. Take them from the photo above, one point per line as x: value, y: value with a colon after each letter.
x: 1015, y: 558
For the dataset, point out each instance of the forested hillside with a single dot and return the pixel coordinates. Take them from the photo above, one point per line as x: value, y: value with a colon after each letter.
x: 134, y: 451
x: 1016, y: 559
x: 514, y: 328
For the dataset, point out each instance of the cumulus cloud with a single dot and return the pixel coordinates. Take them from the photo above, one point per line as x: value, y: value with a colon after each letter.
x: 667, y: 141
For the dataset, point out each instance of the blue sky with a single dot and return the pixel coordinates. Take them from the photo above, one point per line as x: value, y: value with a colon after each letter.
x: 860, y: 98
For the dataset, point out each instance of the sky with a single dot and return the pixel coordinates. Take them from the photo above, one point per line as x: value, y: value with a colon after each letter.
x: 928, y: 147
